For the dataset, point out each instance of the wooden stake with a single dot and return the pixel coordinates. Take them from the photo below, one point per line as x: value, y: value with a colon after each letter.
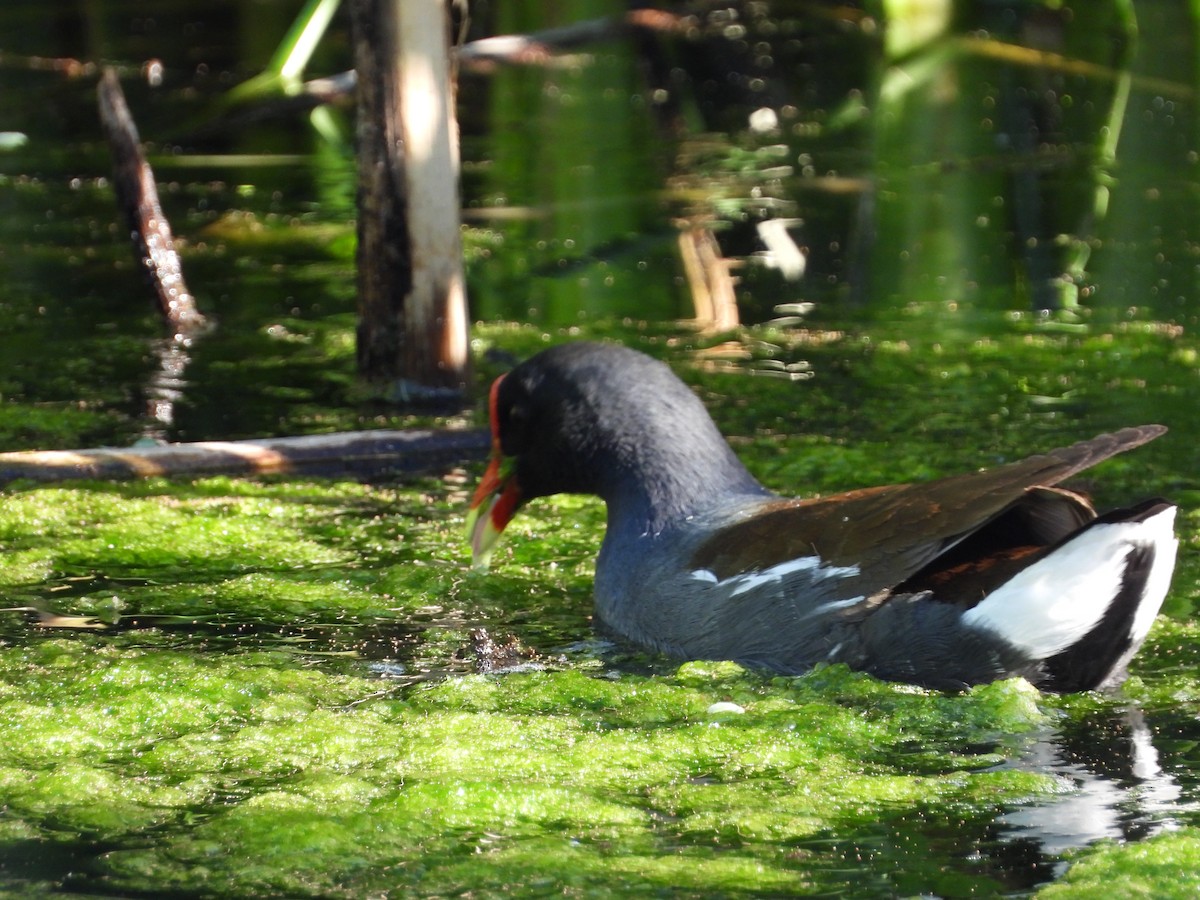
x: 412, y: 304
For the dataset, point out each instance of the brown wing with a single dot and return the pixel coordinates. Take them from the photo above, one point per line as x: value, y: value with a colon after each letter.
x: 891, y: 532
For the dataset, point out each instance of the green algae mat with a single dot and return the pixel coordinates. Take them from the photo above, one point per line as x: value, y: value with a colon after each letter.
x: 238, y: 688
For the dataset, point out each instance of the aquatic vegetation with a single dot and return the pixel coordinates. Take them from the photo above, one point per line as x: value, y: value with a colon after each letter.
x: 1165, y: 866
x: 238, y: 688
x: 274, y: 694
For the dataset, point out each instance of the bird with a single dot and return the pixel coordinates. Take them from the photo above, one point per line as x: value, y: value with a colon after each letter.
x: 944, y: 584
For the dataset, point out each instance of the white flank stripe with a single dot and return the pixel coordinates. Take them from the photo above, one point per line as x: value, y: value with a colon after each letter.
x: 835, y: 604
x: 748, y: 581
x: 1049, y: 606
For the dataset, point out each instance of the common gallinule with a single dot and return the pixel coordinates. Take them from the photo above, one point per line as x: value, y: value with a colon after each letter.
x: 944, y: 584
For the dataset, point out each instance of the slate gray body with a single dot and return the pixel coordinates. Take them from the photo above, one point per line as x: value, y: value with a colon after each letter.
x: 700, y: 561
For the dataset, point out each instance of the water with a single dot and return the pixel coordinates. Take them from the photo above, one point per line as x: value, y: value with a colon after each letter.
x: 266, y: 689
x: 1121, y: 790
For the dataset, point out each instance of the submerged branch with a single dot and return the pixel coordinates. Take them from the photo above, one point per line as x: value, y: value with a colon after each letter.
x: 137, y: 196
x: 361, y: 454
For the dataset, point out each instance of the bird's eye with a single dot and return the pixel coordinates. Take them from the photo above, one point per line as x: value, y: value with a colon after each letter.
x: 514, y: 426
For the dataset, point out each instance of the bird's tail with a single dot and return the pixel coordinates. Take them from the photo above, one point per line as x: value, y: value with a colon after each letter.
x: 1081, y: 611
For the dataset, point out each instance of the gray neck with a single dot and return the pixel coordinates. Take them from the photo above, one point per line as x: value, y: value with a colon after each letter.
x: 655, y: 487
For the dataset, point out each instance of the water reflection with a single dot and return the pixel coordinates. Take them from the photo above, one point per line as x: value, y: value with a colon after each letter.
x: 1118, y: 788
x: 984, y: 158
x: 166, y: 386
x: 1114, y: 787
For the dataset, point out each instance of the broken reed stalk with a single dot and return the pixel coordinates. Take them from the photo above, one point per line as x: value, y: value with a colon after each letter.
x: 137, y: 196
x: 709, y: 278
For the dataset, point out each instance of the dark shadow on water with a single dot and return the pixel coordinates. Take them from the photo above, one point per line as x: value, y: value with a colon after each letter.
x: 388, y: 647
